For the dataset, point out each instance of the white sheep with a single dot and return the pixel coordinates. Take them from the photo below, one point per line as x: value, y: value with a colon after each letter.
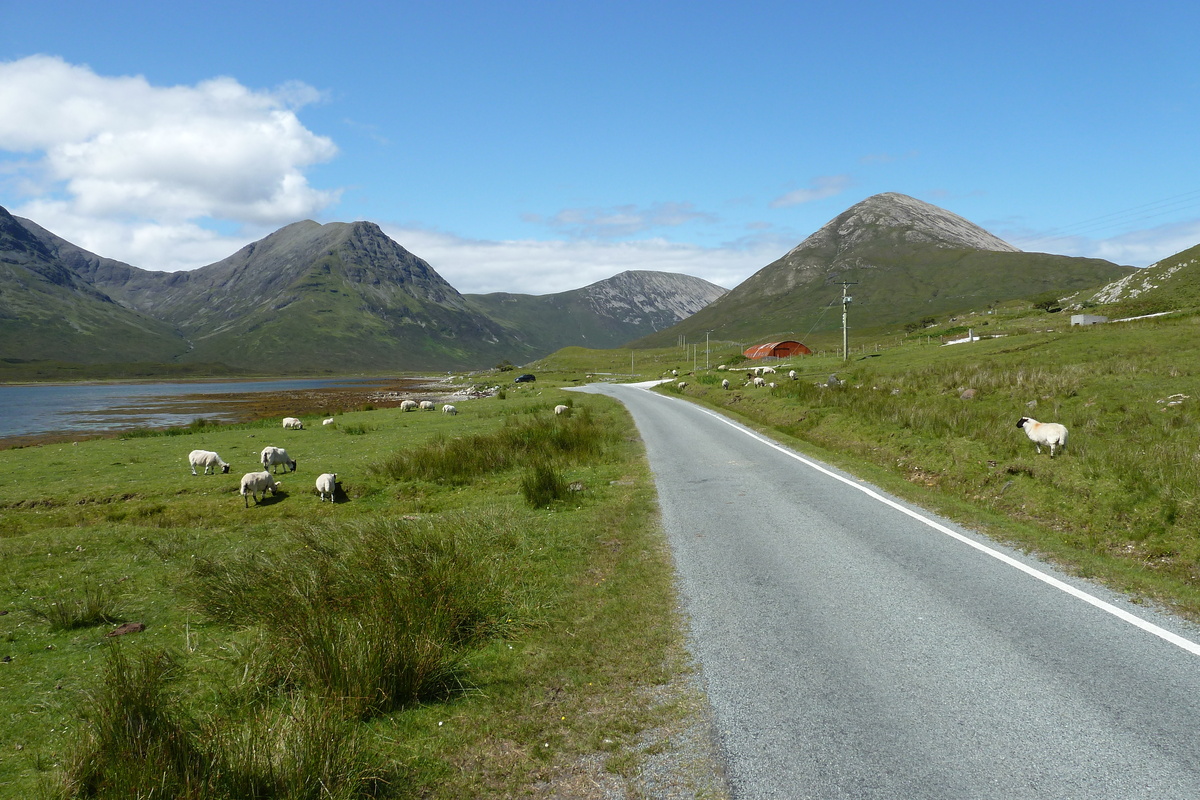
x: 682, y: 384
x: 291, y: 423
x: 562, y: 410
x: 326, y: 483
x: 725, y: 383
x: 792, y: 374
x: 758, y: 382
x: 1044, y: 433
x: 768, y: 370
x: 427, y: 405
x: 449, y: 409
x: 207, y: 459
x: 408, y: 405
x: 255, y: 482
x: 274, y: 456
x: 327, y: 421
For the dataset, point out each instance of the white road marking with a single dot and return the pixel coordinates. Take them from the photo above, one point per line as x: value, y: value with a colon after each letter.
x: 1119, y: 613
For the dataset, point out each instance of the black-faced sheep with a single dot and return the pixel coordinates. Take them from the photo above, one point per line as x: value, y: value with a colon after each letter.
x: 326, y: 483
x: 291, y: 423
x: 255, y: 482
x: 207, y: 459
x: 449, y: 409
x: 1051, y: 434
x: 274, y: 456
x: 409, y: 405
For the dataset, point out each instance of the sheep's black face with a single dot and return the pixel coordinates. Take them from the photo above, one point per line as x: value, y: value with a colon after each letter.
x: 1021, y: 422
x: 225, y: 469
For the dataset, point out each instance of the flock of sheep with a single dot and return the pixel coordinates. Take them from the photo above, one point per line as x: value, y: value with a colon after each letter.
x: 256, y: 483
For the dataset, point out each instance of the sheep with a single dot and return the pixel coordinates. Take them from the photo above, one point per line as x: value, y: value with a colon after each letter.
x: 449, y: 409
x: 768, y: 370
x: 426, y: 405
x: 683, y: 384
x: 408, y: 405
x: 207, y: 459
x: 327, y: 421
x: 1044, y: 433
x: 792, y: 374
x: 291, y: 423
x: 255, y: 482
x: 326, y: 483
x: 759, y: 382
x: 274, y: 456
x: 562, y: 410
x: 725, y: 383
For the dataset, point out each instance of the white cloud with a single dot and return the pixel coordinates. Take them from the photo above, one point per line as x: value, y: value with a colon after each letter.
x: 1136, y: 248
x: 620, y: 221
x: 111, y: 158
x: 546, y: 267
x: 822, y: 187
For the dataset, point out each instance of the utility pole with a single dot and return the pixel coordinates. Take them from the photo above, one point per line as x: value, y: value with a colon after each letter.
x: 706, y: 360
x: 846, y: 300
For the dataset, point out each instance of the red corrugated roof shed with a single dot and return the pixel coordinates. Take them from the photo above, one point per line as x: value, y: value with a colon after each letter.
x: 777, y: 350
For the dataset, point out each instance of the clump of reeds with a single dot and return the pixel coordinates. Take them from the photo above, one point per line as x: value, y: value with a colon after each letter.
x: 460, y: 459
x: 378, y: 615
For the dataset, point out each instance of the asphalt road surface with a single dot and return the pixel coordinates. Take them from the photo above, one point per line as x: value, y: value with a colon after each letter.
x: 855, y: 646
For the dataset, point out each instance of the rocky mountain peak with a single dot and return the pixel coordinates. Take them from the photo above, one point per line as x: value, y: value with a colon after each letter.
x: 899, y: 219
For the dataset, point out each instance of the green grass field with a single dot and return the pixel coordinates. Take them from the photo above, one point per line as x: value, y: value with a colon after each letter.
x: 433, y: 634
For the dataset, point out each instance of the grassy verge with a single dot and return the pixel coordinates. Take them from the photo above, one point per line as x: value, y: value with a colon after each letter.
x: 938, y: 425
x: 432, y: 635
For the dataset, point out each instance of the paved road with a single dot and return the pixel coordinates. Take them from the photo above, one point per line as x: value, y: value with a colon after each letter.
x: 851, y: 649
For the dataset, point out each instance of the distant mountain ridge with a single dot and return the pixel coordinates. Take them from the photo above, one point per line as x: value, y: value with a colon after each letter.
x: 335, y: 297
x: 904, y: 259
x: 604, y: 314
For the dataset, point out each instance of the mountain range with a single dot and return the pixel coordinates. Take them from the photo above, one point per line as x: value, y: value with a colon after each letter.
x: 344, y: 297
x: 335, y: 297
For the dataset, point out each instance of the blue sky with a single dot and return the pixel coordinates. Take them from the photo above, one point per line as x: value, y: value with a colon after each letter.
x: 537, y: 147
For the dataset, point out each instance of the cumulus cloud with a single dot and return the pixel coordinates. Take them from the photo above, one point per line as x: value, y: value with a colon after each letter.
x: 546, y: 267
x: 620, y: 221
x: 97, y: 154
x: 821, y: 187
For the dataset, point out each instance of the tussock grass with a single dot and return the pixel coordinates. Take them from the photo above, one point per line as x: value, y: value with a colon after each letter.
x: 523, y: 440
x: 95, y: 605
x: 377, y: 614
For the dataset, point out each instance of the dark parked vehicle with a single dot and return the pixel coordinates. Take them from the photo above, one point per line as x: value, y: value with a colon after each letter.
x: 526, y: 378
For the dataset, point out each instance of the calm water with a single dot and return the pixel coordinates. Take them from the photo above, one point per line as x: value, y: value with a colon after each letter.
x: 97, y: 408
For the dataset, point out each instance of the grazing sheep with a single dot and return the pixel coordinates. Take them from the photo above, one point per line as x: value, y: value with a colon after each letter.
x: 326, y: 483
x: 207, y: 459
x: 768, y: 370
x: 724, y: 383
x: 274, y: 456
x: 291, y: 423
x: 449, y: 409
x: 758, y: 382
x: 720, y: 366
x: 426, y: 405
x: 1044, y: 433
x: 682, y: 384
x: 562, y: 410
x: 255, y: 482
x: 409, y: 405
x: 675, y: 373
x: 792, y: 374
x: 327, y: 421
